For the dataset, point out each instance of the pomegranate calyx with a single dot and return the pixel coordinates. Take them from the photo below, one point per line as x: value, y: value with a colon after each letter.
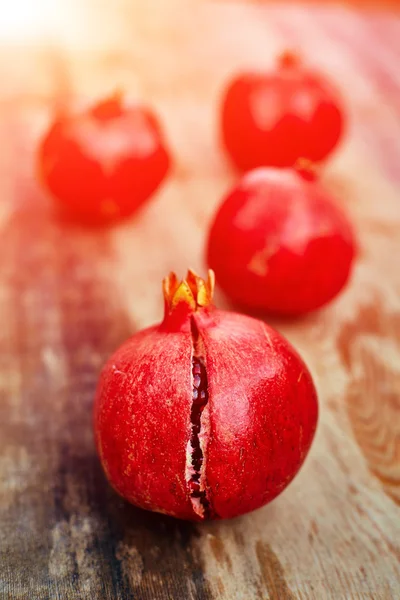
x: 306, y: 169
x: 289, y: 59
x: 109, y: 108
x: 193, y: 291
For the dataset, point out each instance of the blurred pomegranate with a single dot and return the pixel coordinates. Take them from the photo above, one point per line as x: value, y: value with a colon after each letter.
x: 104, y: 163
x: 279, y: 244
x: 275, y: 118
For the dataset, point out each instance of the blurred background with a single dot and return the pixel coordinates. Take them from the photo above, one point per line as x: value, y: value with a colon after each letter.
x: 70, y: 295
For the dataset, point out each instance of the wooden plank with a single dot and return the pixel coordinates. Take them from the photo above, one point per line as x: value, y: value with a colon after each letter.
x: 69, y: 296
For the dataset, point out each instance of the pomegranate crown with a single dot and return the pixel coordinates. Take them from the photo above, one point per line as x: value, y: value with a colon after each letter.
x: 110, y: 107
x: 307, y: 169
x: 191, y: 293
x: 289, y: 59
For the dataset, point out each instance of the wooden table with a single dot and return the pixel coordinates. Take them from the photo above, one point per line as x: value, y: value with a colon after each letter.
x: 69, y: 296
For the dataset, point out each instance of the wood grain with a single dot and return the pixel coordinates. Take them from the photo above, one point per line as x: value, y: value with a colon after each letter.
x: 69, y: 296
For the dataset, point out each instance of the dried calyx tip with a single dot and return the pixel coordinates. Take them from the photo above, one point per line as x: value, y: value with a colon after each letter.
x: 306, y: 169
x: 289, y: 58
x: 110, y: 107
x: 193, y: 291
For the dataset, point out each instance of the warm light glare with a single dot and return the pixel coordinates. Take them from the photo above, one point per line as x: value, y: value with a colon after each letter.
x: 26, y: 19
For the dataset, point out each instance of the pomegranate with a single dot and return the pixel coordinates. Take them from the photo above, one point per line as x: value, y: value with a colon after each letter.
x: 104, y: 163
x: 275, y: 118
x: 279, y: 244
x: 207, y: 415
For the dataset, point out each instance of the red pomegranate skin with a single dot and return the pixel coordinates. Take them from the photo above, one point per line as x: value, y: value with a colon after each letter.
x: 279, y: 244
x: 256, y: 425
x: 276, y: 118
x: 102, y: 164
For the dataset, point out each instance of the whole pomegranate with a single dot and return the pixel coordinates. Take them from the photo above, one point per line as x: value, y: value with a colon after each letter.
x: 276, y: 118
x: 208, y: 415
x: 279, y: 244
x: 105, y: 162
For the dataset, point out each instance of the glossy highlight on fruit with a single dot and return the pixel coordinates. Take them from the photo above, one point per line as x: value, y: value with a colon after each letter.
x: 279, y: 244
x: 207, y: 415
x: 276, y: 118
x: 104, y: 163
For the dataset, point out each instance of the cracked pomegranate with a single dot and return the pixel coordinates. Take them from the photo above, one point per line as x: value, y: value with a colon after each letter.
x: 208, y: 415
x: 104, y: 163
x: 279, y: 244
x: 276, y: 118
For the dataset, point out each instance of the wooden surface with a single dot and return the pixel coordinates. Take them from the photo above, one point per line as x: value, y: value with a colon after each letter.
x: 69, y: 296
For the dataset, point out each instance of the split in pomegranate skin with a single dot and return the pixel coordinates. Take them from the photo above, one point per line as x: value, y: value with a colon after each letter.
x: 279, y: 244
x: 273, y: 119
x: 208, y: 415
x: 103, y: 164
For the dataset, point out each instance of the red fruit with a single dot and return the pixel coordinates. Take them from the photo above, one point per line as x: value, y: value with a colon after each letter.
x: 279, y: 244
x: 207, y: 415
x: 276, y: 118
x: 102, y: 164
